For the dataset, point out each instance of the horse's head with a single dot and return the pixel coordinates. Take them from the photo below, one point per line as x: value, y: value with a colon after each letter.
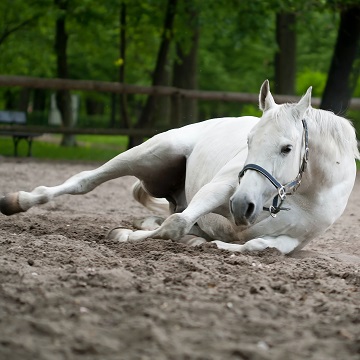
x: 275, y: 154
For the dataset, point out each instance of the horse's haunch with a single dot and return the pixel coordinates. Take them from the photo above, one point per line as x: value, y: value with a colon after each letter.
x: 9, y: 204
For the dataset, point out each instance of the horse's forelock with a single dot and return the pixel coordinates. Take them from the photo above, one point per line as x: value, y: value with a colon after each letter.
x: 285, y: 115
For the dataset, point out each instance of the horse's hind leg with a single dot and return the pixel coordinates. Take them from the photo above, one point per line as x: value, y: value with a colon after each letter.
x: 153, y: 162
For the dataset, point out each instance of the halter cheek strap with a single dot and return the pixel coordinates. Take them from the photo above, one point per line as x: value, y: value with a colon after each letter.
x: 290, y: 187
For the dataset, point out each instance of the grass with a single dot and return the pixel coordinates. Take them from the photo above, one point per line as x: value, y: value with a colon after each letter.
x: 89, y: 148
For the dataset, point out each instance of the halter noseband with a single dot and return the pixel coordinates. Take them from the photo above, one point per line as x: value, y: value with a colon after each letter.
x: 290, y: 187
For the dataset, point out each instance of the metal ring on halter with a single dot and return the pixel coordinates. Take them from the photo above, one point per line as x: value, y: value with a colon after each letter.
x: 306, y: 155
x: 272, y: 211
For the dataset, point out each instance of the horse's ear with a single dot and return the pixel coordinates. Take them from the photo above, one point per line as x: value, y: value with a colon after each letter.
x: 266, y: 100
x: 304, y: 103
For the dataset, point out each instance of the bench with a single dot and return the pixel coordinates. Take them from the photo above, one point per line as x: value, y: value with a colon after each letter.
x: 16, y: 118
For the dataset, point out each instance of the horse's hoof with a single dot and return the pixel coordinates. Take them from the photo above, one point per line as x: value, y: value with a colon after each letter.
x: 9, y: 204
x: 119, y: 234
x: 148, y: 223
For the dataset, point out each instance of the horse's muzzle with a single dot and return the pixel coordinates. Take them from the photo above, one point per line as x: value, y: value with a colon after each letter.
x: 244, y: 210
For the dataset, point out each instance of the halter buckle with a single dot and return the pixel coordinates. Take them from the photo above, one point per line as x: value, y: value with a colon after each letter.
x: 282, y: 193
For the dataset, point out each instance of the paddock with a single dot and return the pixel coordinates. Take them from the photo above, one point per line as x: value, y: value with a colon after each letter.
x: 66, y: 292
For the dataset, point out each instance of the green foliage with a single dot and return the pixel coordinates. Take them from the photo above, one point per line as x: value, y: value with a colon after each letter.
x: 251, y: 110
x: 316, y: 37
x: 316, y: 79
x: 357, y: 90
x: 236, y: 49
x: 236, y: 45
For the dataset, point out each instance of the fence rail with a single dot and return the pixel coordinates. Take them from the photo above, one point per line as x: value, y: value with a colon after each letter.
x: 116, y: 87
x: 78, y: 131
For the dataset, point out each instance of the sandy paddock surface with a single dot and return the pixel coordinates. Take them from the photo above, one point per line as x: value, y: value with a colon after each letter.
x: 66, y: 292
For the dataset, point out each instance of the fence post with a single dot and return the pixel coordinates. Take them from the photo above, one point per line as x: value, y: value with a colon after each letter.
x: 176, y: 110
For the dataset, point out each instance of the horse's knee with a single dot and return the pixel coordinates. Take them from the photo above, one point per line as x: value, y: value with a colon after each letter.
x: 174, y: 227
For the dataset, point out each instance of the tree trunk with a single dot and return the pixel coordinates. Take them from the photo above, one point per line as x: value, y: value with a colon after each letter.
x: 113, y: 98
x: 162, y: 112
x: 341, y: 77
x: 94, y: 107
x: 10, y: 100
x: 63, y: 97
x: 185, y: 73
x: 24, y: 100
x: 285, y: 57
x: 124, y: 116
x: 147, y: 113
x: 39, y: 100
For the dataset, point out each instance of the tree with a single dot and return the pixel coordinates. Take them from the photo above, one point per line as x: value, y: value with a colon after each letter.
x: 235, y: 47
x: 16, y: 16
x: 342, y: 75
x: 285, y: 57
x: 148, y: 110
x: 122, y: 52
x: 185, y: 68
x: 63, y: 97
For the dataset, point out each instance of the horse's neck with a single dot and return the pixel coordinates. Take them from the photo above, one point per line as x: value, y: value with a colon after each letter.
x: 333, y: 147
x: 330, y: 173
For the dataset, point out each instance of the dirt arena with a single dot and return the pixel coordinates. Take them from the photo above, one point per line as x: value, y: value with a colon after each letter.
x: 66, y: 292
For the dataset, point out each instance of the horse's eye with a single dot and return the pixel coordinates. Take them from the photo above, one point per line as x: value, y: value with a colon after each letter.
x: 286, y: 149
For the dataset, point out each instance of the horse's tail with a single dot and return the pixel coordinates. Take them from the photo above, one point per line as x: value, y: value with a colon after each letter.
x: 151, y: 203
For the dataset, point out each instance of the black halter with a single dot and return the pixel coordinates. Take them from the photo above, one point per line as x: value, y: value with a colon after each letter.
x: 290, y: 187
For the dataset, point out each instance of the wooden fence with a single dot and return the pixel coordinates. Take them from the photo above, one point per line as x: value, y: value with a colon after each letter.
x: 116, y: 87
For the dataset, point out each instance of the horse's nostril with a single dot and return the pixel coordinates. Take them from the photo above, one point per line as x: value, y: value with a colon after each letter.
x: 250, y: 210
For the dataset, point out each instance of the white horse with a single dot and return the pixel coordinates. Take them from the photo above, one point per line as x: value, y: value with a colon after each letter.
x: 298, y: 175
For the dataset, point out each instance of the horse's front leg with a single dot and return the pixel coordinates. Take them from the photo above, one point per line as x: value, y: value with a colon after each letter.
x: 285, y: 244
x: 177, y: 226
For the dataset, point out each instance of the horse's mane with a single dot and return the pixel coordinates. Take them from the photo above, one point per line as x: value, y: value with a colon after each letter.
x: 332, y: 128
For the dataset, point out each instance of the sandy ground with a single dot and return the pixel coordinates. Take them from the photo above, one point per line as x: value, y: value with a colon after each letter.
x: 66, y: 292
